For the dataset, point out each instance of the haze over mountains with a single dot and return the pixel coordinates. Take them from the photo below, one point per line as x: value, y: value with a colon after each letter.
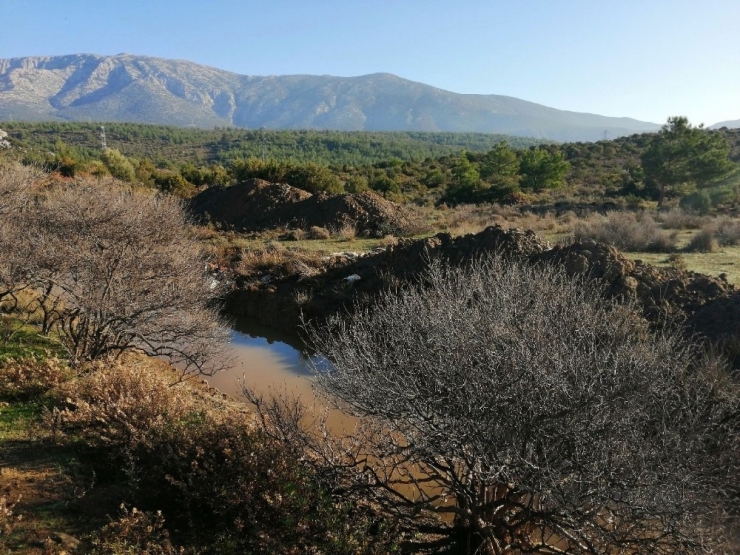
x: 86, y: 87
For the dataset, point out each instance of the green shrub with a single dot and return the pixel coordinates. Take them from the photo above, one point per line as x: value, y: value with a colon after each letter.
x: 698, y: 202
x: 118, y: 165
x: 356, y: 184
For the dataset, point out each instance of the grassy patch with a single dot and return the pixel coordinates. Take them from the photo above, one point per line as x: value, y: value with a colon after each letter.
x: 19, y: 341
x: 724, y: 261
x: 16, y: 419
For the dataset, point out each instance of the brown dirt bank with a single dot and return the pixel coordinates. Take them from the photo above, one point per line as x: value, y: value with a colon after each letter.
x: 696, y: 301
x: 257, y: 205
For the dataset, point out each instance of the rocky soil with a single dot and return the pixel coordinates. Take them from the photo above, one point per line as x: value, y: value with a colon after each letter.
x: 257, y: 205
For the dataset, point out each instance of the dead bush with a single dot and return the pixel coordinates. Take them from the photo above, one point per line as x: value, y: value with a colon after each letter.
x: 135, y: 533
x: 123, y: 271
x: 316, y: 232
x: 675, y: 218
x: 626, y: 232
x: 532, y: 411
x: 703, y: 241
x: 727, y: 231
x: 278, y: 262
x: 30, y: 378
x: 217, y: 478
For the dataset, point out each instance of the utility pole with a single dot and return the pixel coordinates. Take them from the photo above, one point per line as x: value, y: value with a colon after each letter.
x: 262, y: 142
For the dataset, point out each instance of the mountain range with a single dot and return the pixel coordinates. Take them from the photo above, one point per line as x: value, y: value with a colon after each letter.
x: 125, y: 87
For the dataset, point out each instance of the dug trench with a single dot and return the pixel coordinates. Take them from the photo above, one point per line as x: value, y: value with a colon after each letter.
x: 704, y: 306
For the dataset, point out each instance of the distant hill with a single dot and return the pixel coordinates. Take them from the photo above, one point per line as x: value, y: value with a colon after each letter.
x: 730, y: 124
x: 86, y: 87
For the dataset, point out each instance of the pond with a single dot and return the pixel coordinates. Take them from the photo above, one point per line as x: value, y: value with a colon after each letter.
x: 266, y: 360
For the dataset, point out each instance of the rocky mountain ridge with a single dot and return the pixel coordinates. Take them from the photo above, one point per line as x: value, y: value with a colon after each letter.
x: 125, y: 87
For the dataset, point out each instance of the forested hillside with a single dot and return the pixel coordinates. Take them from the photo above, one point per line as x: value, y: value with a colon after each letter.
x: 169, y: 144
x: 402, y: 166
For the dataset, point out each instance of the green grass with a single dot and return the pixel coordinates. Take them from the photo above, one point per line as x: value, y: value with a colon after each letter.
x: 724, y: 261
x: 17, y: 418
x: 25, y: 342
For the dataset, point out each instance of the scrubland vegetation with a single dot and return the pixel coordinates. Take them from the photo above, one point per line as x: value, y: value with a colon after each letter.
x: 501, y: 406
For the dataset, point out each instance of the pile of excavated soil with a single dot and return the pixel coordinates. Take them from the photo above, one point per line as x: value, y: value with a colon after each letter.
x: 257, y: 205
x: 662, y: 294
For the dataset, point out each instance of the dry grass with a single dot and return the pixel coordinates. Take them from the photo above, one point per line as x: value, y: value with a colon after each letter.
x: 727, y: 231
x: 124, y: 401
x: 703, y: 241
x: 676, y: 218
x: 30, y: 377
x: 278, y: 261
x: 467, y: 218
x: 316, y: 232
x: 345, y: 233
x: 625, y: 231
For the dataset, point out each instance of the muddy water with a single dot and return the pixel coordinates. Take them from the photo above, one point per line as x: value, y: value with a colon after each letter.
x: 267, y: 361
x: 270, y: 362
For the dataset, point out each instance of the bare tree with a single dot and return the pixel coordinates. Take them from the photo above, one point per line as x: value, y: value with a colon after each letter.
x: 16, y: 181
x: 529, y: 412
x: 117, y: 269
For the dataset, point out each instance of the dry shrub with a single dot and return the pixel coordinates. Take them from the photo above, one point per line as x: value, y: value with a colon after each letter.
x: 388, y: 241
x: 204, y: 462
x: 294, y: 235
x: 7, y: 517
x: 316, y: 232
x: 346, y: 233
x: 727, y: 231
x: 279, y: 262
x: 626, y: 232
x: 30, y: 378
x: 704, y: 241
x: 135, y: 533
x: 677, y: 260
x: 122, y: 402
x: 568, y: 218
x: 676, y: 218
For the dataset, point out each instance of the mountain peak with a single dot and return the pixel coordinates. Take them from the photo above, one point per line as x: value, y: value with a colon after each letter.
x: 129, y: 87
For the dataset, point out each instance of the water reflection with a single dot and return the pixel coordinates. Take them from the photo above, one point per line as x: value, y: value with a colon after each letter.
x: 267, y: 361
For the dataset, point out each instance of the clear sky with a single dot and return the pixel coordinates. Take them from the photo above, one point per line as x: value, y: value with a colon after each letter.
x: 646, y: 59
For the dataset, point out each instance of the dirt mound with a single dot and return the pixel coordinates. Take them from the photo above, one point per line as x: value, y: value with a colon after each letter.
x: 257, y: 205
x: 367, y: 212
x: 281, y: 303
x: 663, y: 294
x: 703, y: 304
x: 719, y: 320
x: 253, y: 205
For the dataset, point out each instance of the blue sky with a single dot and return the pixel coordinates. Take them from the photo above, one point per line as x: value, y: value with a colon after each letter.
x: 647, y: 59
